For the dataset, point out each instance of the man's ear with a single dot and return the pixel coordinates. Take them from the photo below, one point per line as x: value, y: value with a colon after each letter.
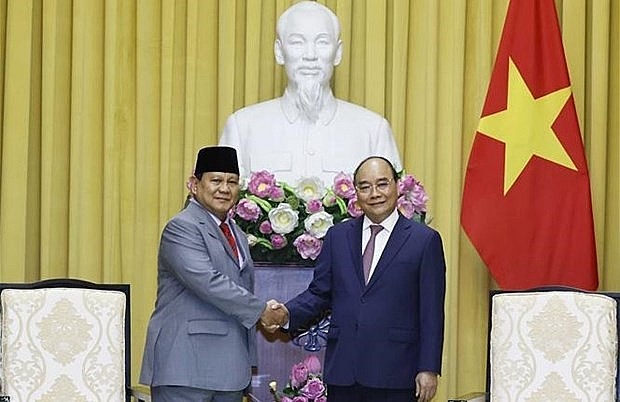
x: 192, y: 183
x: 277, y: 51
x: 338, y: 57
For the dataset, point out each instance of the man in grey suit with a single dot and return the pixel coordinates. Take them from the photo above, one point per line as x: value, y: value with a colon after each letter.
x: 201, y: 343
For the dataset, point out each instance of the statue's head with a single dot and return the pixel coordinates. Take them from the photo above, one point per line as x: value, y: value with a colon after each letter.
x: 308, y: 43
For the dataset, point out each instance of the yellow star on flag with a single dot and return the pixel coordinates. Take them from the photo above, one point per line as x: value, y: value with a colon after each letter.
x: 525, y: 127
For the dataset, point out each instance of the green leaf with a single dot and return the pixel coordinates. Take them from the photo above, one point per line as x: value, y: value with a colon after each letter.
x: 264, y: 204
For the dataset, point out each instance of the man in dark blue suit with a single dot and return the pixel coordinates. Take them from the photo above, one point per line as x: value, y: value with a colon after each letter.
x: 386, y: 335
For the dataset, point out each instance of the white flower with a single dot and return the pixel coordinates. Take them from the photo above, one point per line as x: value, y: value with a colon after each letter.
x: 311, y: 188
x: 318, y: 223
x: 252, y: 240
x: 283, y: 218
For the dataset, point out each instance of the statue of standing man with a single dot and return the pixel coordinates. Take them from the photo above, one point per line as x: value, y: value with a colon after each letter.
x: 307, y: 132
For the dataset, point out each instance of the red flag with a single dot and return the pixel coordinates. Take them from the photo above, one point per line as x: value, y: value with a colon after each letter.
x: 526, y: 199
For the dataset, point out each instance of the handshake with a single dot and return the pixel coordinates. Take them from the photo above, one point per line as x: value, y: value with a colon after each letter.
x: 274, y: 316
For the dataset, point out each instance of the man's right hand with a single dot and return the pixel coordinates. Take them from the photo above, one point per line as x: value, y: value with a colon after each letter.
x: 274, y: 316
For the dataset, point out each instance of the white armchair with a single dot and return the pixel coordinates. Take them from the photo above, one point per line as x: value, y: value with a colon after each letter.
x: 65, y: 340
x: 552, y: 345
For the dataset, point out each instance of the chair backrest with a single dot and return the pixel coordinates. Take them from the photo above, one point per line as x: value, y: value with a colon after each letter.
x: 553, y: 345
x: 65, y: 340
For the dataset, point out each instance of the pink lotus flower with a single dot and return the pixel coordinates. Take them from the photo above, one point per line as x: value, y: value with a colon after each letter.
x: 343, y: 186
x: 265, y: 227
x: 413, y: 190
x: 353, y: 209
x: 419, y: 198
x: 248, y: 210
x: 406, y: 184
x: 277, y: 194
x: 313, y: 388
x: 261, y: 183
x: 305, y: 383
x: 313, y: 364
x: 314, y: 206
x: 406, y: 207
x: 308, y: 246
x: 299, y: 374
x: 278, y: 241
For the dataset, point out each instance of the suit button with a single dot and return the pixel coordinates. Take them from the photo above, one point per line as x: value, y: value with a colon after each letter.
x: 363, y: 300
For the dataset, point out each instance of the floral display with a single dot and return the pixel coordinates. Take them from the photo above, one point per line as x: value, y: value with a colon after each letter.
x: 285, y: 224
x: 305, y: 383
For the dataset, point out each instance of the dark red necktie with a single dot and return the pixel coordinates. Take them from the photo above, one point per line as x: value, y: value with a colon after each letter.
x: 229, y: 236
x: 370, y: 250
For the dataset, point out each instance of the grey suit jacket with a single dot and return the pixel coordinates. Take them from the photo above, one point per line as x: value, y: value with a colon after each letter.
x: 202, y: 331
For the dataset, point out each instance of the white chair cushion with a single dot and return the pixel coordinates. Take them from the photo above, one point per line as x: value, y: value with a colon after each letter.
x: 63, y: 344
x: 553, y: 346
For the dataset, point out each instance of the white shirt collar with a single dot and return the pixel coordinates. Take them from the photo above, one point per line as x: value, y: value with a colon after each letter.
x: 388, y: 223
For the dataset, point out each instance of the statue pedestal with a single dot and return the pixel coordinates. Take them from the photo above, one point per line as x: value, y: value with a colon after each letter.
x: 277, y: 352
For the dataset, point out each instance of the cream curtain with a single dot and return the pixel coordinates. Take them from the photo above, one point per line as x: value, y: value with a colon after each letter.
x: 105, y: 102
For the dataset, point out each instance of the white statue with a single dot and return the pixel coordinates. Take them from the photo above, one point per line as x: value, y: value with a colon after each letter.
x: 307, y: 132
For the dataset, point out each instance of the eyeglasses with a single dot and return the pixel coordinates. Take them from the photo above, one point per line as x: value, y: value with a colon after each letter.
x: 366, y: 188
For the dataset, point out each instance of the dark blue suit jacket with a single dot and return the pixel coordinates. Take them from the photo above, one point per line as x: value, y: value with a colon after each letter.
x: 383, y: 334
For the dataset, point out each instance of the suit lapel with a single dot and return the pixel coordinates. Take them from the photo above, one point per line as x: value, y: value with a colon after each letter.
x: 245, y: 252
x: 355, y: 246
x: 397, y: 239
x: 210, y: 229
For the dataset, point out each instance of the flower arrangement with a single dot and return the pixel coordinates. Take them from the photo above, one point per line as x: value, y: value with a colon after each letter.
x: 305, y: 383
x: 286, y: 224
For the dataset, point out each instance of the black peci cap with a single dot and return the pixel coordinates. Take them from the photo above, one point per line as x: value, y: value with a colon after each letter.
x: 216, y: 159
